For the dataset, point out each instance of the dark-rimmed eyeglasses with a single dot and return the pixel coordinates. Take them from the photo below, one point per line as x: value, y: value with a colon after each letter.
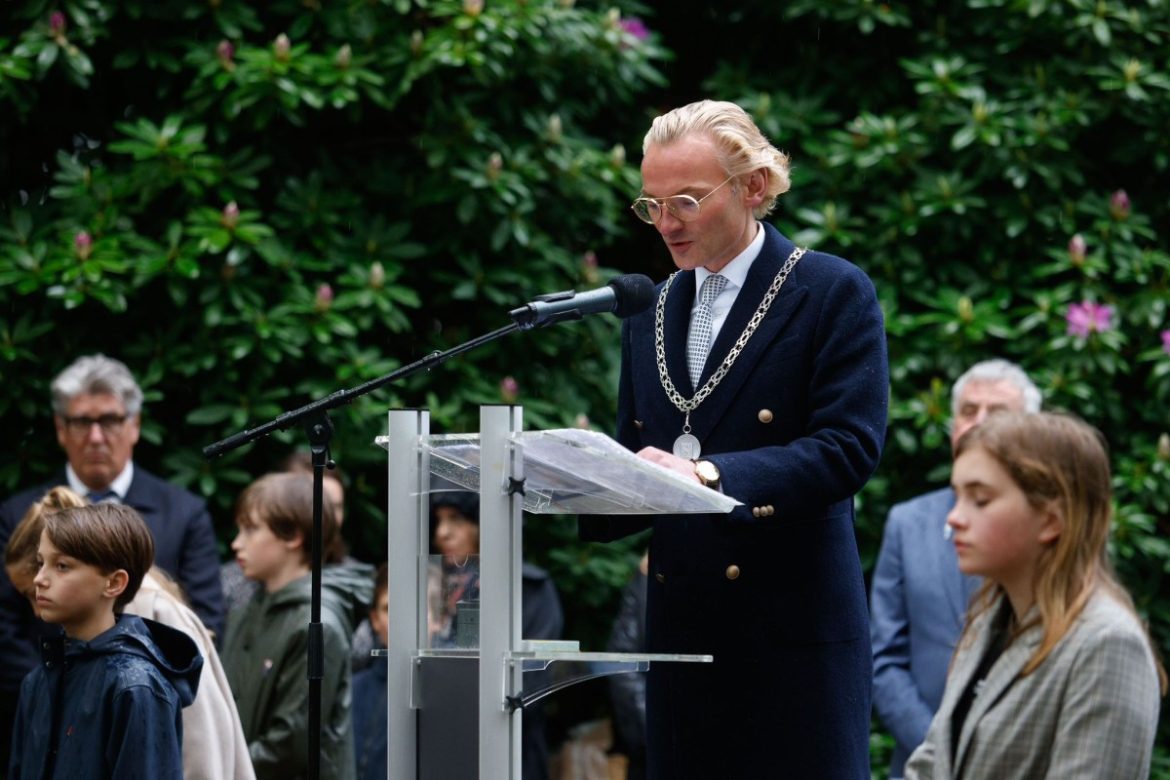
x: 109, y: 423
x: 684, y: 208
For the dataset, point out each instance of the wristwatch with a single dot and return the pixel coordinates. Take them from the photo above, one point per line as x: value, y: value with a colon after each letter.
x: 708, y: 473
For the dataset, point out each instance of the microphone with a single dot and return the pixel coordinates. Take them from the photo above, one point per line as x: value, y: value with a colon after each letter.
x: 624, y: 296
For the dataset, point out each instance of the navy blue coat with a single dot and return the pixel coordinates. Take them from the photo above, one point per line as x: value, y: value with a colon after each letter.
x: 796, y: 429
x: 112, y: 706
x: 184, y: 546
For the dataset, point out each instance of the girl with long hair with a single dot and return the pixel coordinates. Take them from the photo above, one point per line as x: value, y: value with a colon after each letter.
x: 1055, y: 675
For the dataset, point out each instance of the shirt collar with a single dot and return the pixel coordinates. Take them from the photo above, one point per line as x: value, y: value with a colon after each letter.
x: 737, y: 270
x: 120, y: 485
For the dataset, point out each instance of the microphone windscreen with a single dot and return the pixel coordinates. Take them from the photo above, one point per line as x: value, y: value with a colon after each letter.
x: 634, y: 294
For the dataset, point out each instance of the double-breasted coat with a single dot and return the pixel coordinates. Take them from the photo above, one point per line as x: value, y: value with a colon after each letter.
x: 774, y: 589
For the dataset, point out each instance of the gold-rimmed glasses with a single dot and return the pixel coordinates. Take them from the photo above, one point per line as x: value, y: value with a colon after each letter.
x: 684, y: 208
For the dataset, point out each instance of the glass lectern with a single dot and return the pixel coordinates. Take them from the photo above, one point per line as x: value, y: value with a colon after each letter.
x: 454, y: 710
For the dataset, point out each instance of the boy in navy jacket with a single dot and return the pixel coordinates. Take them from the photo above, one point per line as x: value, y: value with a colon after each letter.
x: 106, y: 700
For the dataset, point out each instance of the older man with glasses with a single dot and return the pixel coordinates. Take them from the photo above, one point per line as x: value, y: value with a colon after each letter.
x: 761, y: 372
x: 96, y: 408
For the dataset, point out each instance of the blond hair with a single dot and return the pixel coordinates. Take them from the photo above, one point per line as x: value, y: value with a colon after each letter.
x: 21, y: 550
x: 1062, y: 462
x: 742, y: 147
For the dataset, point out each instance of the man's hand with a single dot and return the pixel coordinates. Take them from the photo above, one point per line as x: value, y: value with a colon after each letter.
x: 670, y: 461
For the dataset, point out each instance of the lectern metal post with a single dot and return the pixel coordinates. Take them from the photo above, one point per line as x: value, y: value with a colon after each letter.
x: 407, y: 510
x: 500, y: 545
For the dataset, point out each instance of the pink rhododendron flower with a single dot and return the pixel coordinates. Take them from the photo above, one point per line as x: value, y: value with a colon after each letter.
x: 1166, y: 341
x: 636, y: 28
x: 1089, y: 317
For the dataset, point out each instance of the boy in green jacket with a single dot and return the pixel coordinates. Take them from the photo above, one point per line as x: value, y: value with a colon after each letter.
x: 265, y: 647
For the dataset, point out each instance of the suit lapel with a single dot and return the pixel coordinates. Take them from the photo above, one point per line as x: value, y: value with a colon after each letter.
x: 1004, y: 672
x: 775, y: 251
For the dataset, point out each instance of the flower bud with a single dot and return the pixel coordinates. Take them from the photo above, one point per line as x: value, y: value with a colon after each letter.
x: 282, y: 48
x: 82, y: 245
x: 324, y: 298
x: 589, y: 267
x: 555, y: 128
x: 57, y: 25
x: 1131, y: 71
x: 377, y: 275
x: 230, y: 216
x: 225, y: 53
x: 567, y: 3
x: 1166, y: 341
x: 613, y: 19
x: 581, y: 422
x: 966, y: 310
x: 344, y: 57
x: 1164, y: 446
x: 494, y: 166
x: 473, y: 7
x: 416, y: 42
x: 1076, y: 250
x: 509, y: 389
x: 1119, y: 206
x: 617, y: 156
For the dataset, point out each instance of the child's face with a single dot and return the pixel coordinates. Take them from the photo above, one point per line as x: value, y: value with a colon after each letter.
x: 263, y: 556
x: 77, y: 596
x: 380, y: 618
x: 997, y: 533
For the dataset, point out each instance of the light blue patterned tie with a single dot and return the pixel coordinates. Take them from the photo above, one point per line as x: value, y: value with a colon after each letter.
x: 699, y: 337
x: 98, y: 496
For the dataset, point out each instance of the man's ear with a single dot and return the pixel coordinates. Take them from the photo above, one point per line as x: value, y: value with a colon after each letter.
x: 755, y: 187
x: 1052, y: 525
x: 116, y: 583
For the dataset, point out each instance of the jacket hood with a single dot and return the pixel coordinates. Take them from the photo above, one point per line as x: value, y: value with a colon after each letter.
x: 347, y: 589
x: 172, y: 652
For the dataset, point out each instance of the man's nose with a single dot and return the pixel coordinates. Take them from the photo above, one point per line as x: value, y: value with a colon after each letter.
x: 96, y: 435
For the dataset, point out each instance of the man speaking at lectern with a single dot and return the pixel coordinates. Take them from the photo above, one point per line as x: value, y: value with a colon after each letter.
x: 761, y: 372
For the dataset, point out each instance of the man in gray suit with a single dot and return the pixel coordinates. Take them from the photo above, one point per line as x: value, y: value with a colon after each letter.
x: 919, y: 597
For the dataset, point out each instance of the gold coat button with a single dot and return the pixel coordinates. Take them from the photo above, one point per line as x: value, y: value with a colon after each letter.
x: 765, y: 416
x: 638, y: 424
x: 732, y: 572
x: 755, y: 511
x: 660, y: 577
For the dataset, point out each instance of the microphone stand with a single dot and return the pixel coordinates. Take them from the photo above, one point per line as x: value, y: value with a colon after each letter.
x: 314, y: 418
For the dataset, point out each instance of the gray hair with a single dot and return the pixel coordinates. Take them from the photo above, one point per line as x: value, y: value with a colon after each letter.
x: 998, y: 370
x: 96, y: 375
x: 742, y: 147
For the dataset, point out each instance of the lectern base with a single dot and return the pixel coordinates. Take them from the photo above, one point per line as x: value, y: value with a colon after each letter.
x: 448, y: 719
